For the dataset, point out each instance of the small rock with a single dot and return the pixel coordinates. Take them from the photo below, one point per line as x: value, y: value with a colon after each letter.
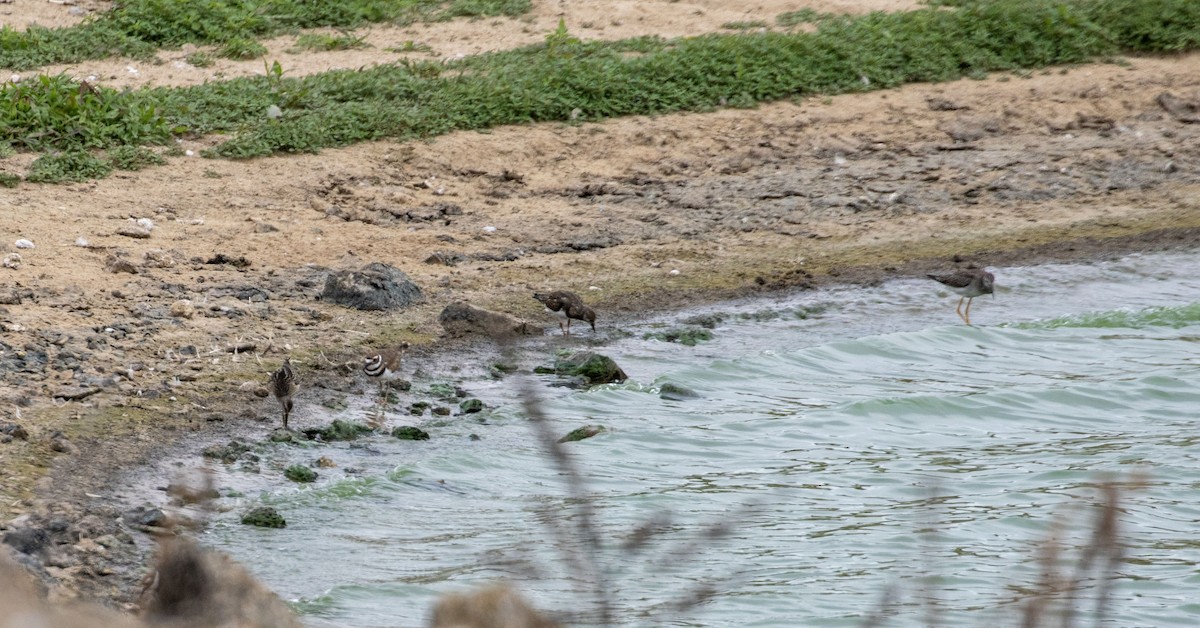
x: 12, y: 260
x: 326, y: 462
x: 183, y: 308
x: 300, y: 473
x: 146, y: 224
x: 581, y: 433
x: 441, y: 411
x: 461, y: 319
x: 264, y: 517
x: 596, y: 368
x: 13, y: 430
x: 145, y: 517
x: 132, y: 231
x: 343, y: 430
x: 116, y: 264
x: 226, y: 453
x: 281, y: 435
x: 83, y: 242
x: 376, y: 286
x: 408, y: 432
x: 23, y: 244
x: 470, y: 406
x: 675, y: 392
x: 27, y: 540
x: 157, y: 258
x: 61, y: 444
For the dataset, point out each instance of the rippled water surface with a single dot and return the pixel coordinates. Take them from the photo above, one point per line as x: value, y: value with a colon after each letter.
x: 860, y: 442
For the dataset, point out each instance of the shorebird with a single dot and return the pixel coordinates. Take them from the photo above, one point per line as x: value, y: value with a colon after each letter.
x: 384, y: 365
x: 283, y: 386
x: 569, y: 305
x: 968, y: 283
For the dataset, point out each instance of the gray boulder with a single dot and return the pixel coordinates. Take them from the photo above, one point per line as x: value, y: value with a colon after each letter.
x: 376, y: 286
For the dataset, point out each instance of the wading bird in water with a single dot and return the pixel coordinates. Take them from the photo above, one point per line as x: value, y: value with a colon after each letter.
x: 569, y: 305
x: 968, y: 283
x: 283, y: 386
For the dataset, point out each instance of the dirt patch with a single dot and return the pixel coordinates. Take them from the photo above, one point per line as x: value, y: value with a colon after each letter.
x: 154, y: 303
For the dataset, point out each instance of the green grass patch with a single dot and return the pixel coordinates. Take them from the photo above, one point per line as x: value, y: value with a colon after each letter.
x: 803, y: 16
x: 566, y: 79
x: 133, y: 158
x: 9, y: 180
x: 137, y: 28
x: 323, y: 42
x: 201, y: 59
x: 241, y: 49
x: 69, y: 167
x: 744, y: 26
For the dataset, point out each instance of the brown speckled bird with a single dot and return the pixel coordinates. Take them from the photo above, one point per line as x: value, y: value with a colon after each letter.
x: 283, y: 386
x: 969, y: 283
x: 569, y: 305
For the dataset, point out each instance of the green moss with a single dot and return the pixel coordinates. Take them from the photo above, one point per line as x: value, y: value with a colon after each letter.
x: 264, y: 517
x: 593, y: 367
x: 683, y: 335
x: 343, y: 430
x: 300, y: 473
x: 470, y: 406
x: 581, y: 433
x: 408, y: 432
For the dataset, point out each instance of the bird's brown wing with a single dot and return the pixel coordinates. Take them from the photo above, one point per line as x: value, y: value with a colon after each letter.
x: 960, y: 279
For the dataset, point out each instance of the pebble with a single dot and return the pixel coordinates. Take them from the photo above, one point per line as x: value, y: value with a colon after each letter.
x: 183, y: 308
x: 24, y: 244
x: 12, y: 260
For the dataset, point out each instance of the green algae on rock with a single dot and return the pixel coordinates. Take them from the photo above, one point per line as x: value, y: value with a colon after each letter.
x: 300, y: 473
x: 408, y: 432
x: 581, y: 433
x: 264, y: 517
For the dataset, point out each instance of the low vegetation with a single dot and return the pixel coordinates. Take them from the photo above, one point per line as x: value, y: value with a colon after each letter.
x: 565, y: 79
x: 137, y: 28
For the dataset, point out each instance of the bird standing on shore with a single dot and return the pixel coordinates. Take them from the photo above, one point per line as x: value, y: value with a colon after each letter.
x: 969, y: 283
x: 569, y: 305
x: 283, y: 386
x: 384, y: 365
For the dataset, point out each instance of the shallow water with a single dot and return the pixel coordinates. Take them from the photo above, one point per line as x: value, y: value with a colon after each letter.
x: 859, y: 441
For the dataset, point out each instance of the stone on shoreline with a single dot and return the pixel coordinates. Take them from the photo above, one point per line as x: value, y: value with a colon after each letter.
x: 226, y: 453
x: 300, y: 473
x: 264, y: 517
x: 675, y: 392
x: 341, y: 430
x: 376, y: 286
x: 593, y: 367
x: 408, y: 432
x: 470, y: 406
x: 581, y: 433
x: 686, y: 335
x: 462, y: 319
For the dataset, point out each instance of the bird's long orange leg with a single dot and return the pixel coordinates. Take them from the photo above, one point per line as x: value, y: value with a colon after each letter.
x: 568, y: 332
x: 958, y: 310
x: 968, y: 316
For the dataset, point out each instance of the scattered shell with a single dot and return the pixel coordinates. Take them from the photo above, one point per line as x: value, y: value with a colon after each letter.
x: 274, y: 112
x: 16, y: 78
x: 82, y: 241
x: 145, y: 223
x: 132, y: 70
x: 674, y: 271
x: 489, y: 229
x: 24, y: 244
x: 12, y: 260
x: 189, y: 153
